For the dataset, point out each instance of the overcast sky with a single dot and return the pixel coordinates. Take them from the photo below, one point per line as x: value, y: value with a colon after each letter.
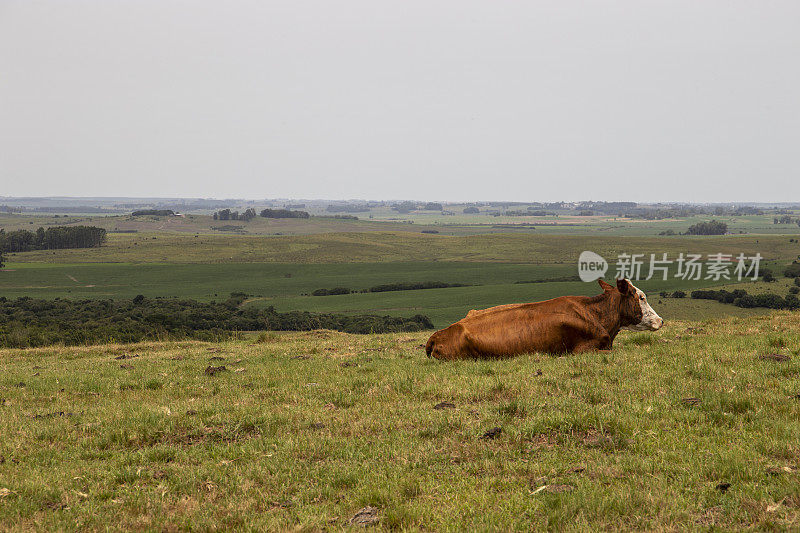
x: 439, y: 100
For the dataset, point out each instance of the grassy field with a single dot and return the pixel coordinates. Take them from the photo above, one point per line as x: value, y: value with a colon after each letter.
x: 445, y: 306
x: 399, y: 247
x: 282, y: 271
x: 209, y: 281
x: 384, y: 220
x: 302, y: 430
x: 686, y: 428
x: 287, y: 286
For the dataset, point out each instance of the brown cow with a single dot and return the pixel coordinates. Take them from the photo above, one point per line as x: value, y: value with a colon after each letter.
x: 561, y: 325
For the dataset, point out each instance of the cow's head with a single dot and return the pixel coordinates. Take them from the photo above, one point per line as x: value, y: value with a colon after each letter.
x: 635, y: 313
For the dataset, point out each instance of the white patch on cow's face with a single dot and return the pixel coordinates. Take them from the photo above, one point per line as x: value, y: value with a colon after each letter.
x: 650, y: 319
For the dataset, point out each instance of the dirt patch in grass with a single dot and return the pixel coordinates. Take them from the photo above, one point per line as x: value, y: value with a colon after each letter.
x: 214, y: 370
x: 492, y: 433
x: 365, y: 517
x: 776, y: 357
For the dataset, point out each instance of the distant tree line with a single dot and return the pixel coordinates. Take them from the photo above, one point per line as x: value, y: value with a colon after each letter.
x: 332, y: 292
x: 740, y: 298
x: 413, y: 286
x: 27, y: 322
x: 785, y: 219
x: 227, y: 214
x: 558, y: 279
x: 405, y: 207
x: 683, y: 211
x: 341, y: 217
x: 722, y: 296
x: 347, y: 208
x: 675, y: 294
x: 743, y: 210
x: 55, y: 238
x: 528, y: 213
x: 608, y: 208
x: 283, y: 213
x: 154, y: 212
x: 388, y: 287
x: 73, y: 209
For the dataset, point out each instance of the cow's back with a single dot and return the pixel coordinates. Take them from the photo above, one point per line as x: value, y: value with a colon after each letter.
x: 511, y: 329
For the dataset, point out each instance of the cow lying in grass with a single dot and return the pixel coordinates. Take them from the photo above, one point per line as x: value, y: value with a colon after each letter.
x: 561, y: 325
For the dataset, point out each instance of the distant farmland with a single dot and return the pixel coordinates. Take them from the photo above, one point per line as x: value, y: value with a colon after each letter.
x: 279, y: 271
x: 287, y: 286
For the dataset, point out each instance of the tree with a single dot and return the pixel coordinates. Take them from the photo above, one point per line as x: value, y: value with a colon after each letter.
x: 405, y: 207
x: 52, y: 238
x: 2, y: 259
x: 713, y: 227
x: 153, y: 212
x: 283, y: 213
x: 793, y: 270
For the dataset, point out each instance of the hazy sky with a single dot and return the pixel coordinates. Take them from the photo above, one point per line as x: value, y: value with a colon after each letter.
x: 450, y: 100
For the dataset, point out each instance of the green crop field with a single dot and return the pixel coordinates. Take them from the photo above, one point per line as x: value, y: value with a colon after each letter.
x: 400, y: 246
x: 693, y: 427
x: 445, y: 306
x: 282, y: 270
x: 287, y: 286
x: 215, y: 280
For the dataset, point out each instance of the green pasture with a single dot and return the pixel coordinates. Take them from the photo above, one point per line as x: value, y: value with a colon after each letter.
x: 287, y: 286
x: 445, y: 306
x: 694, y: 427
x: 401, y: 247
x: 216, y: 280
x: 282, y: 270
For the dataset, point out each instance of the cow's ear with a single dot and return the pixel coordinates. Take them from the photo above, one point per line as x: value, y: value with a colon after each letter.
x: 623, y: 285
x: 603, y: 285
